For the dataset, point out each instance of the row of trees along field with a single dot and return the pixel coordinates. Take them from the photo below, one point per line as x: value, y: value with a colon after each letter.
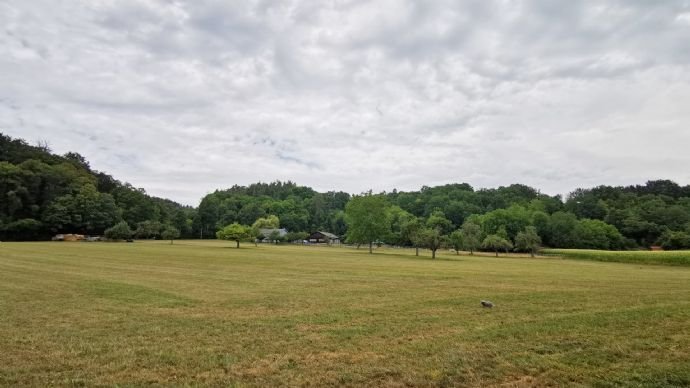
x: 43, y: 194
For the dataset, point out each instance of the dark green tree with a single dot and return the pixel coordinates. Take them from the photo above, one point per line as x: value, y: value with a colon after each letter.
x: 671, y: 240
x: 119, y: 231
x: 296, y: 236
x: 528, y: 240
x: 148, y: 230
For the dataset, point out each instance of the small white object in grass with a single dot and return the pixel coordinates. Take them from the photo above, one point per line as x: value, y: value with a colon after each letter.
x: 486, y: 303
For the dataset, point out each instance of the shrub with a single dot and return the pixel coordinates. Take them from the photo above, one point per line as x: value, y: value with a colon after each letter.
x: 671, y: 240
x: 119, y: 231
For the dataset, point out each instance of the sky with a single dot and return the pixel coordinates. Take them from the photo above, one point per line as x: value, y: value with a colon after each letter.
x: 186, y: 97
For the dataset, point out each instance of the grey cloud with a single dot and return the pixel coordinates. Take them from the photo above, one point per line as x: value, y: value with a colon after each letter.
x: 185, y: 97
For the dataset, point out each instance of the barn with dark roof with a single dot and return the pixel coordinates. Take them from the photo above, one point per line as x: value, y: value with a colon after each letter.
x: 320, y: 237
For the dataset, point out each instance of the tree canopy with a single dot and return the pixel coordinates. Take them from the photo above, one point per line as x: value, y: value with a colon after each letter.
x: 170, y: 233
x: 235, y: 232
x: 120, y: 231
x: 496, y: 243
x: 367, y: 219
x: 528, y: 240
x: 42, y: 194
x: 429, y: 238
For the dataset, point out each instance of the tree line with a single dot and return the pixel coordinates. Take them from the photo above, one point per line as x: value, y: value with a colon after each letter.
x: 44, y: 194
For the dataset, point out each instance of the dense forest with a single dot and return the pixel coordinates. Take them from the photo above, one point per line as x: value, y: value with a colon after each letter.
x: 44, y: 194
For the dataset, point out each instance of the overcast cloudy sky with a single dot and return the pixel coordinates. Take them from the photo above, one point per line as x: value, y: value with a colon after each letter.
x: 183, y: 97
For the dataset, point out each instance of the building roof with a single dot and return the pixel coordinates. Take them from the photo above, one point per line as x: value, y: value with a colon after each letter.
x: 329, y: 235
x: 267, y: 232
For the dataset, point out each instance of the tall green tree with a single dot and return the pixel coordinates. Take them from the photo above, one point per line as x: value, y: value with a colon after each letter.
x: 496, y: 243
x: 455, y: 240
x: 528, y: 240
x: 430, y: 238
x: 399, y: 218
x: 596, y: 234
x: 562, y: 230
x: 409, y: 231
x: 367, y: 219
x: 437, y: 220
x: 471, y: 234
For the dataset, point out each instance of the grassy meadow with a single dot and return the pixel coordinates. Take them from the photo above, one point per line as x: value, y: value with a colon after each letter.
x: 204, y: 313
x: 634, y: 257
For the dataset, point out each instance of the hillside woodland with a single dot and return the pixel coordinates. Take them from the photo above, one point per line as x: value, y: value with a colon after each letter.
x: 43, y: 194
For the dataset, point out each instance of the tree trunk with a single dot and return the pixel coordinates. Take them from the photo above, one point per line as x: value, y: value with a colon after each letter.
x: 496, y: 253
x: 457, y: 252
x: 471, y: 252
x: 171, y: 242
x: 370, y: 247
x: 531, y: 253
x: 238, y: 243
x: 416, y: 251
x: 433, y: 254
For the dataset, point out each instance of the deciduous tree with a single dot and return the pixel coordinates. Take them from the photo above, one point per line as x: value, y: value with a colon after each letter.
x: 268, y: 222
x: 496, y: 243
x: 119, y: 231
x: 528, y: 240
x: 367, y: 219
x: 430, y: 238
x: 170, y: 233
x: 438, y: 220
x: 455, y: 240
x: 235, y: 232
x: 471, y: 236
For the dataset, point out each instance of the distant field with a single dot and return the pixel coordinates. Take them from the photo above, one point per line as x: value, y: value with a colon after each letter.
x: 636, y: 257
x: 202, y: 313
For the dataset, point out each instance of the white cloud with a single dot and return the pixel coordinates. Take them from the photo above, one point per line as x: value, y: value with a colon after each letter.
x: 683, y: 18
x: 185, y: 97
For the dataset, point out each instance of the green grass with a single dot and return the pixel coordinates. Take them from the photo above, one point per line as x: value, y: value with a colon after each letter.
x: 202, y: 313
x: 635, y: 257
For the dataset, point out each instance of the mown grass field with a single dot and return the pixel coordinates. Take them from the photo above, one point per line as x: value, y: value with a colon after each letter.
x: 635, y: 257
x: 203, y: 313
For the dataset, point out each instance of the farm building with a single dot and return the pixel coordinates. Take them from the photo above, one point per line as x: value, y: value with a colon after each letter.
x: 265, y: 234
x: 323, y: 237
